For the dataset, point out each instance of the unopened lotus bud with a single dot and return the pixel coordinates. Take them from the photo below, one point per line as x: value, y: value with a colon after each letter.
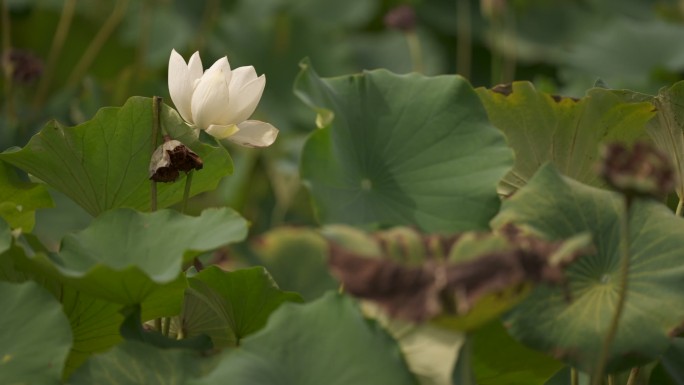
x: 640, y: 171
x: 169, y: 159
x: 402, y: 18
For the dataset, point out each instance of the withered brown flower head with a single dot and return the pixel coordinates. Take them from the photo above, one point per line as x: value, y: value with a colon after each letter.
x: 418, y: 292
x: 26, y: 67
x: 640, y: 171
x: 402, y: 18
x: 169, y: 159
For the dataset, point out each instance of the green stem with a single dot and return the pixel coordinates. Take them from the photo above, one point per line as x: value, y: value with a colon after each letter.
x: 574, y: 376
x: 98, y: 42
x: 415, y: 51
x: 680, y: 206
x: 611, y: 379
x: 622, y: 293
x: 510, y: 60
x: 7, y: 66
x: 496, y: 57
x: 156, y: 125
x: 465, y: 39
x: 186, y: 193
x: 633, y: 374
x: 61, y: 33
x: 167, y: 326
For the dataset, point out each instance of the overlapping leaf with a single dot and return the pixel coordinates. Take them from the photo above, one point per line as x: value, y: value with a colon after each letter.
x: 499, y: 359
x: 19, y: 200
x: 94, y: 322
x: 36, y: 335
x: 667, y: 128
x: 103, y: 164
x: 567, y: 132
x: 299, y: 338
x: 134, y: 363
x: 296, y: 258
x: 401, y: 150
x: 129, y: 257
x: 228, y: 306
x: 572, y: 327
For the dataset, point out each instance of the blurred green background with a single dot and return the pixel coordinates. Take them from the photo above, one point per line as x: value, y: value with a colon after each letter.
x: 65, y: 59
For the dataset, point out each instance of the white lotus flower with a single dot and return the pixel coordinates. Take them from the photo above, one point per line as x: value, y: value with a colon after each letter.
x: 220, y: 100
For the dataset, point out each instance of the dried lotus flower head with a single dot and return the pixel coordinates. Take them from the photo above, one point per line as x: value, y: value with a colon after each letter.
x: 640, y: 171
x: 169, y: 159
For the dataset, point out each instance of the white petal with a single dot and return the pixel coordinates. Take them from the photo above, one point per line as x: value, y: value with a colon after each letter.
x: 243, y: 101
x: 181, y: 78
x: 211, y: 96
x: 242, y: 76
x: 254, y: 133
x: 222, y: 131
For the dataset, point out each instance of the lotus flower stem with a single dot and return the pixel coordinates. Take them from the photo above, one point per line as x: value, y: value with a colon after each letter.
x: 186, y: 193
x: 98, y: 42
x: 5, y: 60
x: 465, y: 39
x: 166, y: 326
x: 633, y: 374
x: 680, y: 206
x: 415, y: 51
x: 597, y: 377
x: 574, y: 377
x: 156, y: 124
x: 61, y: 33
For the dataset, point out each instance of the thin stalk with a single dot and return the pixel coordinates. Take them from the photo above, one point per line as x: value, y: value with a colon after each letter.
x: 633, y: 374
x: 464, y: 49
x: 415, y: 51
x: 61, y: 33
x: 98, y: 42
x: 510, y: 61
x: 156, y: 126
x: 186, y: 192
x: 622, y: 293
x: 611, y: 379
x: 680, y: 206
x: 496, y: 56
x: 167, y: 326
x: 143, y: 39
x: 7, y: 66
x: 574, y: 377
x: 211, y: 13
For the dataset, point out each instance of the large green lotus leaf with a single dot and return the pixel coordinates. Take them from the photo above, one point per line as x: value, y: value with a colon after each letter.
x: 136, y: 363
x: 157, y: 243
x: 103, y: 163
x: 401, y: 150
x: 326, y: 341
x: 573, y: 329
x: 94, y: 322
x: 430, y: 351
x: 670, y: 371
x: 228, y: 306
x: 35, y: 338
x: 567, y: 132
x: 498, y: 359
x: 19, y: 200
x: 130, y: 257
x: 296, y: 258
